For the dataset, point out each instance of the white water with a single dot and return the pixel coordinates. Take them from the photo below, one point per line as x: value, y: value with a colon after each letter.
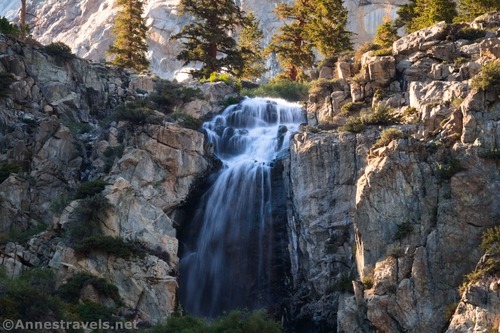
x: 227, y: 261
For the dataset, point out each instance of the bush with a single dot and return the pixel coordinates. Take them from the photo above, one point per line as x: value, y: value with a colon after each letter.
x: 403, y: 230
x: 367, y: 282
x: 91, y: 188
x: 30, y: 297
x: 137, y: 112
x: 20, y: 235
x: 168, y: 95
x: 6, y: 169
x: 71, y: 290
x: 94, y: 312
x: 187, y: 121
x: 6, y: 80
x: 488, y: 78
x: 354, y: 125
x: 8, y: 28
x: 110, y: 154
x: 288, y: 90
x: 351, y: 107
x: 234, y: 321
x: 87, y: 221
x: 386, y: 34
x: 448, y: 168
x: 220, y: 77
x: 490, y: 266
x: 470, y: 33
x: 111, y: 245
x: 321, y: 85
x: 387, y: 136
x: 381, y: 116
x: 59, y: 50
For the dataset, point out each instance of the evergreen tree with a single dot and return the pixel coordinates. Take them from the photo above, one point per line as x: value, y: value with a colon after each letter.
x: 291, y: 43
x: 208, y: 39
x: 314, y: 24
x: 327, y: 28
x: 470, y: 9
x: 251, y: 51
x: 419, y: 14
x: 386, y: 34
x: 130, y: 29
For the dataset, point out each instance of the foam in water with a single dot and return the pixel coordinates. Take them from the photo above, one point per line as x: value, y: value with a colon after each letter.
x: 226, y: 263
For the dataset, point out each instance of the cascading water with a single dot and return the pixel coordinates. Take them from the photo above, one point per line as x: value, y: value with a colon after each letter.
x: 226, y: 260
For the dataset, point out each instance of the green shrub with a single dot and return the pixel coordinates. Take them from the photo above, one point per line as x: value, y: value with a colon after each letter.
x: 367, y: 282
x: 93, y: 312
x: 21, y: 235
x: 488, y: 78
x: 138, y: 112
x: 87, y: 215
x: 470, y: 33
x: 187, y: 121
x: 321, y: 86
x: 288, y: 90
x: 6, y: 169
x: 111, y: 245
x: 169, y: 95
x: 6, y: 80
x: 110, y: 154
x: 235, y: 321
x: 77, y: 128
x: 460, y: 61
x: 351, y: 107
x: 342, y: 284
x: 354, y: 125
x: 221, y: 77
x: 448, y: 168
x: 90, y: 188
x: 403, y: 230
x: 490, y: 245
x: 8, y: 28
x: 59, y: 50
x: 381, y: 116
x: 71, y: 290
x: 29, y: 297
x: 387, y: 33
x: 230, y: 100
x: 387, y: 136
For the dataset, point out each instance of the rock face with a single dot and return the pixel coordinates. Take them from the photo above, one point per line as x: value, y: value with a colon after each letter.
x: 56, y: 134
x: 86, y: 26
x: 404, y: 220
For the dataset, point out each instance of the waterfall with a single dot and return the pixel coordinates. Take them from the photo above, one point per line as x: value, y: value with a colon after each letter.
x: 226, y: 260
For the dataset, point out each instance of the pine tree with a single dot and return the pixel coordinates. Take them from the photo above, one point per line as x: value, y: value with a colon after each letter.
x: 291, y: 43
x: 130, y: 47
x: 470, y: 9
x: 314, y: 24
x: 327, y: 27
x: 386, y: 34
x: 419, y: 14
x: 208, y: 39
x: 251, y: 51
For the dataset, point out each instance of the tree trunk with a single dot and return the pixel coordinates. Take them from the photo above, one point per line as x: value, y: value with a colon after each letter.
x: 23, y: 19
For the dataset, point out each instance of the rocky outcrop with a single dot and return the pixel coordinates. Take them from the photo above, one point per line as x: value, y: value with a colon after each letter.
x: 57, y: 132
x: 416, y: 206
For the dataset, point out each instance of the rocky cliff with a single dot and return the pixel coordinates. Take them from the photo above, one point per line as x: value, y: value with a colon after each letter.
x: 388, y: 188
x: 57, y: 133
x: 86, y: 25
x: 403, y: 218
